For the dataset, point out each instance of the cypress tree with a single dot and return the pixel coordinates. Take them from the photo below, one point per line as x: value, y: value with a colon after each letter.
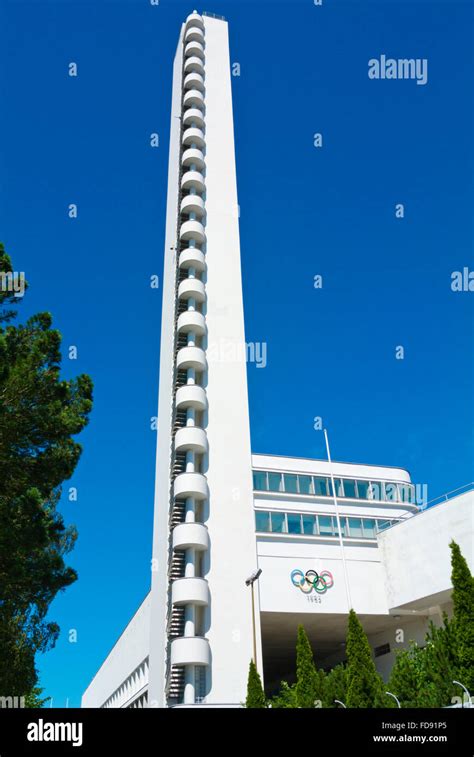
x: 463, y: 602
x: 309, y: 682
x: 365, y: 688
x: 255, y: 693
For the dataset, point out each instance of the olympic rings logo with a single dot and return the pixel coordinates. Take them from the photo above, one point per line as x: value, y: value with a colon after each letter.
x: 309, y: 581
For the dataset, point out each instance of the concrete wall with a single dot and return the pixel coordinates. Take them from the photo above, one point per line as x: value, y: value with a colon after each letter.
x: 232, y: 555
x: 165, y: 408
x: 416, y: 555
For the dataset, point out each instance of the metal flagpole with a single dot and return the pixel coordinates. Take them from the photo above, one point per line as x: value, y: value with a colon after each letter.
x: 336, y: 506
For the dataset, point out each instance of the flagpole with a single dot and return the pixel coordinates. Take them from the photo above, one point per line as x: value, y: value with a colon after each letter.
x: 336, y: 506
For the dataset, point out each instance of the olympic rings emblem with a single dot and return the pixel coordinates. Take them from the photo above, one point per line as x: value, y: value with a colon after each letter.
x: 310, y: 580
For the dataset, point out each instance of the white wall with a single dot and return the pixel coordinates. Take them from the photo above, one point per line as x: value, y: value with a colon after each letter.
x: 416, y: 554
x: 127, y: 654
x: 232, y: 555
x: 163, y: 451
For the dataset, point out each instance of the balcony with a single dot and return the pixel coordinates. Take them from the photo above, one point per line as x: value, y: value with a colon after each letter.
x: 191, y: 439
x: 192, y: 258
x: 194, y: 34
x: 193, y: 117
x: 191, y: 395
x: 191, y: 485
x: 192, y: 230
x: 191, y: 321
x: 190, y: 591
x: 191, y: 357
x: 191, y: 536
x: 193, y: 180
x: 192, y: 156
x: 194, y: 64
x: 190, y: 650
x: 194, y: 19
x: 194, y: 136
x: 194, y: 80
x: 192, y: 288
x: 193, y: 204
x: 194, y: 50
x: 193, y: 98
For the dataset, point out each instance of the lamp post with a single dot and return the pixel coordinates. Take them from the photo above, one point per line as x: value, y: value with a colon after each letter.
x: 394, y: 697
x: 458, y: 683
x: 250, y: 582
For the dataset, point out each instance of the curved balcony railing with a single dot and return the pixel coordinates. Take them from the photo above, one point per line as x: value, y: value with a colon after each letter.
x: 190, y: 650
x: 191, y: 257
x: 191, y: 439
x: 191, y: 396
x: 194, y: 136
x: 191, y: 536
x: 191, y: 357
x: 191, y: 321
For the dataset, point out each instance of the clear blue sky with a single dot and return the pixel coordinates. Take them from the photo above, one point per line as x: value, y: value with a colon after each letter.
x: 304, y: 212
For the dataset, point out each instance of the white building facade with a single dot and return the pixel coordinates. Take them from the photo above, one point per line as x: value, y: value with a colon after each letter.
x: 326, y: 537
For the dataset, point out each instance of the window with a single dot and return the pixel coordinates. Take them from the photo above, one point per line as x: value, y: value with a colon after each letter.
x: 363, y: 489
x: 407, y: 493
x: 368, y: 526
x: 350, y: 488
x: 278, y: 523
x: 325, y: 525
x: 320, y: 487
x: 375, y: 491
x: 262, y: 521
x: 291, y: 483
x: 200, y: 682
x: 355, y: 527
x: 306, y: 485
x: 391, y: 492
x: 294, y: 523
x: 339, y: 487
x: 309, y: 524
x: 381, y: 650
x: 274, y: 482
x: 383, y: 524
x: 260, y: 481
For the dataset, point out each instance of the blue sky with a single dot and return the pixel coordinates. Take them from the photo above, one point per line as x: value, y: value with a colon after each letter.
x: 304, y: 212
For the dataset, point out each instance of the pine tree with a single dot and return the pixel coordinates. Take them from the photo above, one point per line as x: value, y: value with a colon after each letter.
x: 40, y: 413
x: 286, y: 697
x: 365, y: 687
x: 335, y: 686
x: 463, y: 605
x: 255, y: 693
x: 309, y: 681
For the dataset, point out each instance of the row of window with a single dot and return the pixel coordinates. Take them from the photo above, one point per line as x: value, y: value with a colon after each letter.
x: 292, y: 483
x: 319, y: 525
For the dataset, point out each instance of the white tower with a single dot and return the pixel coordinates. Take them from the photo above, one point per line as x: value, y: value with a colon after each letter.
x: 204, y: 542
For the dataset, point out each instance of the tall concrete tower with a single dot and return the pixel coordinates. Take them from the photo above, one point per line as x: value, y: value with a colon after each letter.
x: 204, y: 544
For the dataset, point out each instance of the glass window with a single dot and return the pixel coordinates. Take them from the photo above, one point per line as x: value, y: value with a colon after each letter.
x: 291, y: 483
x: 355, y: 527
x: 368, y: 526
x: 339, y: 487
x: 278, y: 523
x: 325, y: 525
x: 375, y: 490
x: 294, y: 523
x: 343, y: 522
x: 262, y: 521
x: 320, y: 486
x: 309, y: 524
x: 306, y: 485
x: 407, y: 493
x: 363, y: 489
x: 391, y: 492
x: 260, y: 481
x: 350, y: 488
x: 383, y: 524
x: 274, y: 482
